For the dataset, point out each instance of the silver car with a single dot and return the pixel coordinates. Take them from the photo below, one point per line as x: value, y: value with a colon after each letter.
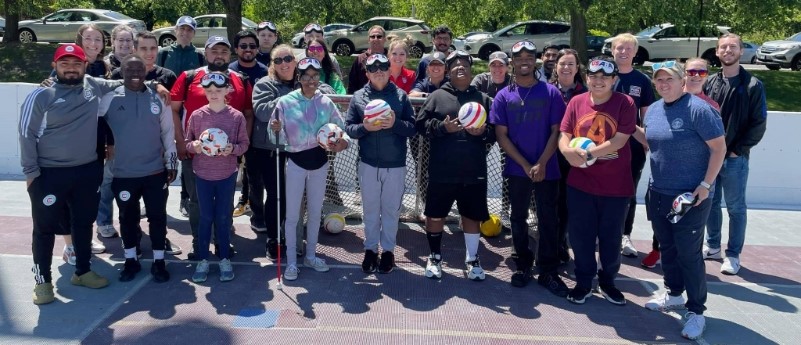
x: 297, y: 40
x: 62, y: 25
x: 349, y: 41
x: 541, y: 32
x: 207, y: 25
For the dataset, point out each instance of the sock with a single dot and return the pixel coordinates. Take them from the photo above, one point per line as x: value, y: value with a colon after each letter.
x: 158, y: 255
x: 69, y: 246
x: 130, y: 253
x: 471, y: 244
x: 434, y: 242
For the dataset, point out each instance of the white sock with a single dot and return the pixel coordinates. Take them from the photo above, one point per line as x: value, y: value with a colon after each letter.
x: 471, y: 244
x: 158, y: 255
x: 130, y: 253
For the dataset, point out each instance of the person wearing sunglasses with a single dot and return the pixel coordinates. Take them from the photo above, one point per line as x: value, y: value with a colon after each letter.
x: 357, y: 76
x: 316, y: 49
x: 297, y: 118
x: 636, y: 85
x: 312, y: 31
x: 686, y: 140
x: 382, y: 166
x: 441, y: 38
x: 457, y: 167
x: 216, y: 174
x: 267, y: 34
x: 598, y: 194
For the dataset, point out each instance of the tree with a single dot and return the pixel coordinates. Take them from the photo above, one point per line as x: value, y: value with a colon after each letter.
x: 578, y: 24
x: 233, y: 18
x: 12, y: 21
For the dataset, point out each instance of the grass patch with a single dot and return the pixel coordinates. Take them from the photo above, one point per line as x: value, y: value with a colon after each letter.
x: 26, y: 63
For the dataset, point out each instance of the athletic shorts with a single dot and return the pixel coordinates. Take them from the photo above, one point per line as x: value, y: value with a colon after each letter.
x: 471, y: 200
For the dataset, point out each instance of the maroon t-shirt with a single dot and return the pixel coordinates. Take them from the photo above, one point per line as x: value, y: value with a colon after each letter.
x: 611, y: 174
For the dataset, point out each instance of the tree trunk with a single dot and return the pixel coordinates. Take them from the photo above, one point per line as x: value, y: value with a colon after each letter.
x: 578, y: 33
x: 12, y: 21
x: 233, y: 19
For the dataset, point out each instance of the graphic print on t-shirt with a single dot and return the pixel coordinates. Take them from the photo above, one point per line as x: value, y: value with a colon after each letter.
x: 598, y: 127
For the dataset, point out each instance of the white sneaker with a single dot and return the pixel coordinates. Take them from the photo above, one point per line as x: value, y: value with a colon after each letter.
x: 97, y: 247
x: 665, y: 302
x: 434, y: 266
x: 730, y: 266
x: 474, y: 270
x: 69, y: 255
x: 107, y: 231
x: 316, y: 263
x: 694, y: 326
x: 291, y: 272
x: 711, y: 254
x: 627, y: 248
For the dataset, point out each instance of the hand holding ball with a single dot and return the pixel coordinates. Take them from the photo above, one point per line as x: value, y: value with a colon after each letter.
x: 584, y: 144
x: 213, y: 142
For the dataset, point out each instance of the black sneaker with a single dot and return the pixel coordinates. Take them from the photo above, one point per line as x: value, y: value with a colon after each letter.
x: 613, y: 295
x: 170, y: 248
x: 579, y: 295
x: 521, y: 278
x: 272, y: 249
x: 192, y: 256
x: 553, y: 283
x: 159, y: 271
x: 129, y: 270
x: 370, y: 262
x: 387, y: 263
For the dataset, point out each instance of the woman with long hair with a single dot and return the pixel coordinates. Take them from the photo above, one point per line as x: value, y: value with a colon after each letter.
x: 398, y: 52
x: 316, y: 49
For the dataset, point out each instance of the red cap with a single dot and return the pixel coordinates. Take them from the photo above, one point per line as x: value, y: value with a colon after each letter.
x: 69, y: 50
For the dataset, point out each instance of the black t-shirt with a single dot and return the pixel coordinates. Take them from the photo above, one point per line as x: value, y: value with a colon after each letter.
x: 638, y: 86
x: 311, y: 159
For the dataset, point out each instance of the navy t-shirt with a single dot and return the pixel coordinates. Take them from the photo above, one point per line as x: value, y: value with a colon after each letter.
x: 677, y: 134
x: 636, y: 85
x: 254, y: 73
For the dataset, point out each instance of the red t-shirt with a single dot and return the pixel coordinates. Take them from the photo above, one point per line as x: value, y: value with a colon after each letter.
x: 405, y: 80
x: 611, y: 174
x: 240, y: 98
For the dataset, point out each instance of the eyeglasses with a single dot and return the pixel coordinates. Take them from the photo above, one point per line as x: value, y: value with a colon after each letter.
x: 308, y: 78
x: 89, y: 39
x: 459, y: 54
x: 280, y: 60
x: 248, y: 46
x: 312, y: 28
x: 376, y: 37
x: 666, y: 64
x: 124, y: 40
x: 266, y: 25
x: 216, y: 79
x: 697, y: 72
x: 597, y: 65
x: 316, y: 49
x: 527, y: 45
x: 307, y: 63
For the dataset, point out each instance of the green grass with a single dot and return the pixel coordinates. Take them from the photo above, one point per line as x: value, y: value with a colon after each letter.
x: 30, y: 63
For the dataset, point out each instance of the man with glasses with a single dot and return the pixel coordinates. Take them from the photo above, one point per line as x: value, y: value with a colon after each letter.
x: 357, y: 77
x: 458, y: 164
x: 549, y: 55
x: 267, y: 33
x: 441, y: 38
x: 187, y: 95
x: 312, y: 31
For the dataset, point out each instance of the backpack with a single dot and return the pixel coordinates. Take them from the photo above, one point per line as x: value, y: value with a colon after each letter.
x: 190, y: 77
x: 162, y: 58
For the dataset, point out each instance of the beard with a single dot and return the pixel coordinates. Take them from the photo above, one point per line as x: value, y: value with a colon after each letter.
x: 248, y: 59
x: 732, y: 63
x: 70, y: 81
x: 218, y: 66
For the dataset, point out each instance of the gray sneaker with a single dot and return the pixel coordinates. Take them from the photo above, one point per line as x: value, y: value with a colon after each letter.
x: 226, y: 270
x: 291, y: 272
x: 201, y: 272
x: 316, y: 263
x: 107, y: 231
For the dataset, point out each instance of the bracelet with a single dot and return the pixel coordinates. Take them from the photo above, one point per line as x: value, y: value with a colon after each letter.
x: 706, y: 185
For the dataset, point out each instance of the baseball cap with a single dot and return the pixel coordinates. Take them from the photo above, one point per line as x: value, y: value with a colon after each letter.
x: 186, y: 20
x: 214, y: 40
x: 602, y: 64
x: 438, y: 56
x: 499, y: 56
x: 69, y: 50
x: 674, y: 68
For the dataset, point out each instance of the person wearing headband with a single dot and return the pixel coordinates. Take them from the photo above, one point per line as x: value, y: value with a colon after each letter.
x: 315, y: 31
x: 267, y: 34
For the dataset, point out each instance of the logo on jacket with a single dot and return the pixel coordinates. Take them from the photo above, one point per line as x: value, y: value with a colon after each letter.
x: 677, y: 124
x: 87, y: 94
x: 154, y: 108
x: 49, y: 200
x: 125, y: 195
x: 635, y: 91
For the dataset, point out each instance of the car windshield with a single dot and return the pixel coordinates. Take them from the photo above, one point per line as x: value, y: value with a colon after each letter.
x: 249, y: 23
x: 649, y: 31
x: 116, y: 15
x: 507, y: 28
x: 796, y: 37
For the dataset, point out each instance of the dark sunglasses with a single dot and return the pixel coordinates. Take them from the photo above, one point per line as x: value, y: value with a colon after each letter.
x: 382, y: 66
x: 378, y: 37
x: 697, y: 72
x: 316, y: 49
x: 279, y: 60
x: 248, y: 46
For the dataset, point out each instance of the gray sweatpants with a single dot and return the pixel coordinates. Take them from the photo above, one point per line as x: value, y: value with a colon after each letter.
x: 313, y: 181
x: 382, y: 193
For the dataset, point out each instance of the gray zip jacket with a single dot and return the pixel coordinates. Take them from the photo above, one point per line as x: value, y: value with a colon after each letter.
x: 143, y: 132
x: 58, y: 125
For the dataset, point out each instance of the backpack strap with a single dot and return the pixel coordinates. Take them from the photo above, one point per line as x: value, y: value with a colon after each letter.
x: 190, y: 77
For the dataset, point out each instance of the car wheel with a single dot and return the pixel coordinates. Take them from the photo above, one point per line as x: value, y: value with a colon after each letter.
x: 641, y: 57
x: 343, y: 48
x: 753, y: 59
x: 774, y: 67
x: 796, y: 63
x: 485, y: 51
x: 166, y: 40
x: 711, y: 58
x: 416, y: 51
x: 26, y: 36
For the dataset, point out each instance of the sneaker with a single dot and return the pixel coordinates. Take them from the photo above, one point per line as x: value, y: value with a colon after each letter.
x: 272, y: 249
x: 201, y: 271
x: 434, y: 266
x: 730, y: 266
x: 627, y: 248
x: 43, y: 294
x: 291, y: 272
x: 554, y: 284
x: 613, y: 295
x: 257, y: 229
x: 712, y: 253
x: 107, y: 231
x: 665, y: 302
x: 387, y: 263
x: 474, y: 270
x: 654, y: 258
x: 171, y: 248
x: 521, y: 278
x: 159, y: 271
x: 226, y: 270
x: 370, y: 262
x: 694, y: 326
x: 184, y: 207
x: 316, y: 263
x: 89, y: 279
x: 129, y: 270
x: 68, y: 255
x: 191, y: 256
x: 97, y: 247
x: 579, y: 295
x: 242, y: 209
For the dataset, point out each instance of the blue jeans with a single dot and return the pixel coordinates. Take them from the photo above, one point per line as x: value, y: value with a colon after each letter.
x: 730, y: 185
x: 216, y: 201
x: 105, y: 210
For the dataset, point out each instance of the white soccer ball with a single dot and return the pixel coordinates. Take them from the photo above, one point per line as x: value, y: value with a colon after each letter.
x: 334, y: 223
x: 375, y: 111
x: 585, y: 144
x: 472, y: 115
x: 329, y: 134
x: 213, y: 141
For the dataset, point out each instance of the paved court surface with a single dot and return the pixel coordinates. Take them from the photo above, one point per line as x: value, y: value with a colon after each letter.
x: 346, y: 306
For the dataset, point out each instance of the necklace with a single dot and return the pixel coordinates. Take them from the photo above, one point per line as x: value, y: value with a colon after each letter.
x: 523, y: 99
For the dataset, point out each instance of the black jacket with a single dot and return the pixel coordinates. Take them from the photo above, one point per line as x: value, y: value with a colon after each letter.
x: 454, y: 157
x: 748, y: 110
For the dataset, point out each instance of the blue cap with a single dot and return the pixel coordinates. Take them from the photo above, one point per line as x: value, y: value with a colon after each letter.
x: 186, y: 20
x: 214, y: 40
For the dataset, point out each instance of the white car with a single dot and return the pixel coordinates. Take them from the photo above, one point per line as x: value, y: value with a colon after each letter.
x: 541, y: 32
x: 297, y: 40
x: 207, y: 25
x: 668, y: 41
x: 781, y: 54
x: 749, y: 53
x: 61, y: 26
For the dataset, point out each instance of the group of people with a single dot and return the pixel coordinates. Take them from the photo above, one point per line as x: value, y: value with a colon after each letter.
x: 271, y: 104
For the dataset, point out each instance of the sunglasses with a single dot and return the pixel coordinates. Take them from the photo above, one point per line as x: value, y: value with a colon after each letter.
x: 248, y: 46
x: 666, y: 64
x: 216, y: 79
x: 267, y: 25
x: 316, y: 49
x: 697, y: 72
x: 381, y: 66
x: 312, y: 28
x: 287, y: 58
x: 527, y: 45
x: 307, y: 63
x: 377, y: 37
x: 308, y: 78
x: 597, y: 65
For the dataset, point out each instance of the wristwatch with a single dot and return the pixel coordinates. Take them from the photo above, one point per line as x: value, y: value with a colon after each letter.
x: 589, y: 155
x: 706, y: 185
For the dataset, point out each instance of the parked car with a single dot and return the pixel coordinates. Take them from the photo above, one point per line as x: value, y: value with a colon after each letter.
x: 297, y: 40
x: 2, y: 26
x: 668, y: 41
x: 749, y: 53
x: 458, y: 42
x: 207, y: 25
x: 781, y: 54
x: 541, y: 32
x: 348, y: 41
x: 595, y: 45
x: 62, y: 25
